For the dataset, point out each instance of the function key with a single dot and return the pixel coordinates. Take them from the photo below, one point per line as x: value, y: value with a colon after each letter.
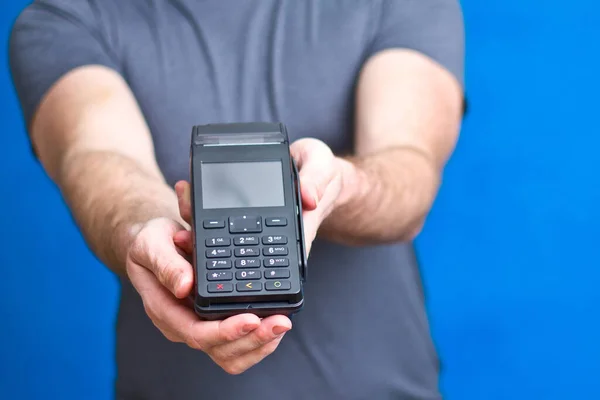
x: 279, y: 221
x: 245, y: 240
x: 277, y: 273
x: 218, y: 264
x: 276, y: 262
x: 213, y: 223
x: 247, y: 252
x: 218, y: 241
x: 274, y: 239
x: 247, y: 275
x: 247, y: 263
x: 245, y: 223
x: 248, y: 286
x: 219, y: 276
x: 278, y: 285
x: 214, y: 287
x: 275, y: 251
x: 218, y: 253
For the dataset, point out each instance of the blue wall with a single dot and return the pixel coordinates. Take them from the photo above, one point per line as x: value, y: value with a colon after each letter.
x: 510, y: 254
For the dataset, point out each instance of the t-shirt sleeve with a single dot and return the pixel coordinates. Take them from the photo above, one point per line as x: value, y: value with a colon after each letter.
x: 431, y: 27
x: 50, y: 38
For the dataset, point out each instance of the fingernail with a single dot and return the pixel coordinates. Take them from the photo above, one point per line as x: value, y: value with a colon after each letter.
x: 278, y: 330
x: 248, y: 328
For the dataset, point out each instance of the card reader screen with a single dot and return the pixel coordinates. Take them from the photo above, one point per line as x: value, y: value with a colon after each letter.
x: 241, y: 185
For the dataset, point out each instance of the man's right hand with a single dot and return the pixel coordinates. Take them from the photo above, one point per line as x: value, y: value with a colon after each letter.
x: 159, y: 271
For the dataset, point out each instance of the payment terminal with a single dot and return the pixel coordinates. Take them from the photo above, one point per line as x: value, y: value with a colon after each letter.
x: 249, y: 251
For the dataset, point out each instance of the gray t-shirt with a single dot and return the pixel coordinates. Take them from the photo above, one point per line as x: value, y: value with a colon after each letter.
x: 363, y: 333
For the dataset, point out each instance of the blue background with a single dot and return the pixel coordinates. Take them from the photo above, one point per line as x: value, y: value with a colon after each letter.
x: 510, y: 253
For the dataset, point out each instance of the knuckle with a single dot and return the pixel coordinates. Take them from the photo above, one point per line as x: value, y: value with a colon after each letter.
x: 168, y: 272
x: 268, y: 348
x: 150, y: 311
x: 173, y: 337
x: 233, y: 368
x: 226, y: 335
x: 193, y: 343
x: 219, y: 355
x: 262, y: 337
x: 137, y: 247
x: 193, y: 340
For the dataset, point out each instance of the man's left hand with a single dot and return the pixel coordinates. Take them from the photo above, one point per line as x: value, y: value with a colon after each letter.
x: 320, y: 185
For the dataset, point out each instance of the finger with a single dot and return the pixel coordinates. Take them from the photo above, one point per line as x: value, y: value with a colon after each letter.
x: 311, y: 221
x: 183, y: 240
x: 315, y: 163
x: 169, y: 315
x: 270, y: 329
x: 206, y: 335
x: 158, y: 253
x: 238, y: 365
x: 184, y: 199
x: 175, y: 319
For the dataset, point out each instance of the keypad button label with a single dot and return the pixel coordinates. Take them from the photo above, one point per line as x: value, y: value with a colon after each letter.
x: 219, y: 276
x: 248, y: 286
x: 247, y: 263
x: 279, y: 221
x: 214, y: 287
x: 275, y: 239
x: 275, y: 251
x: 276, y: 262
x: 218, y: 241
x: 278, y: 285
x: 213, y: 223
x: 218, y: 264
x: 277, y: 273
x: 247, y: 252
x: 218, y: 253
x: 245, y: 223
x: 245, y: 240
x: 247, y: 275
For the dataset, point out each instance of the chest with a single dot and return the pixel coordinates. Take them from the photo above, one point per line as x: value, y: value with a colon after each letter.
x: 200, y: 62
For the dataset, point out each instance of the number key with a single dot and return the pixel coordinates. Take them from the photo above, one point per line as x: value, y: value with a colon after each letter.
x: 275, y: 251
x: 218, y: 241
x: 275, y: 239
x: 276, y: 262
x: 248, y: 275
x: 218, y: 264
x: 245, y: 240
x: 247, y: 263
x: 217, y: 253
x: 247, y: 252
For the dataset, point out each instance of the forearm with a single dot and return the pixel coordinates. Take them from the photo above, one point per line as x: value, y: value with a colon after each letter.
x: 385, y: 197
x: 110, y: 196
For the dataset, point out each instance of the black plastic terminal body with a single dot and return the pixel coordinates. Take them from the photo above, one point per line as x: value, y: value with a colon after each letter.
x: 235, y: 143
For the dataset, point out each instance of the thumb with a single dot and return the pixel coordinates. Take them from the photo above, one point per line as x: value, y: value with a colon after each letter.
x: 315, y: 164
x: 172, y: 270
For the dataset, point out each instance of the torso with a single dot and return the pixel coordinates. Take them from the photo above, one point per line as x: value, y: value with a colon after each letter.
x: 363, y: 333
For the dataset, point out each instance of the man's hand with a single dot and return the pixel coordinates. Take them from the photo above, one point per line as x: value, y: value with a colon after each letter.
x: 164, y: 278
x: 158, y: 267
x: 321, y: 177
x: 321, y: 183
